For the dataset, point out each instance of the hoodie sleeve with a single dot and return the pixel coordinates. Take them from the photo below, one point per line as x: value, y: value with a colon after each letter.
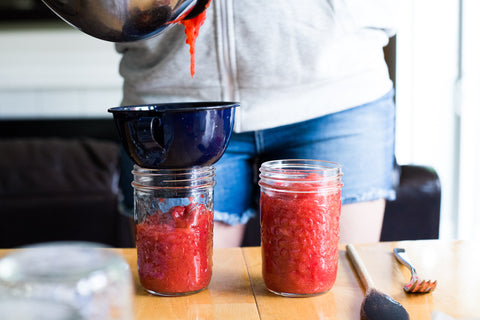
x: 371, y: 14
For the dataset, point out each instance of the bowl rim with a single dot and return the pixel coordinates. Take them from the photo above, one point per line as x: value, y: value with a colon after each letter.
x: 175, y: 107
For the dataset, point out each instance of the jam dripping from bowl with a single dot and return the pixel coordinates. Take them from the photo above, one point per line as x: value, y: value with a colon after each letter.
x: 192, y: 23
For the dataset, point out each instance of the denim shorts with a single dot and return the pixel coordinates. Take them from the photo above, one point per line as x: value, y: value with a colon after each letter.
x: 360, y: 139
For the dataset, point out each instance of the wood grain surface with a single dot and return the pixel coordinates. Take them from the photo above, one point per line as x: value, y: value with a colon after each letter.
x: 237, y: 291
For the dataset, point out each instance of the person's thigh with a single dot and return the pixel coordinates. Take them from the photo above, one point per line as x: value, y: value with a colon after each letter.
x: 361, y: 222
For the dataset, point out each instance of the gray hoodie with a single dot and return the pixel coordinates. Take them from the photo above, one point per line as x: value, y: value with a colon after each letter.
x: 285, y: 61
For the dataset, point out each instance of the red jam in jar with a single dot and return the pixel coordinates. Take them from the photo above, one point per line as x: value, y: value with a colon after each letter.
x: 174, y: 229
x: 300, y: 210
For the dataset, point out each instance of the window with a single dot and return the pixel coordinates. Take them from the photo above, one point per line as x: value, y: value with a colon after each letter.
x: 438, y: 102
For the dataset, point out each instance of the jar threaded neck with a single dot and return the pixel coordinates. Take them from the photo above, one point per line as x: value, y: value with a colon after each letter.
x: 300, y: 175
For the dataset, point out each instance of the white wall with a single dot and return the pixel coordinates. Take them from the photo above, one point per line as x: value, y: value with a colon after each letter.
x: 53, y: 70
x: 469, y: 129
x: 438, y: 79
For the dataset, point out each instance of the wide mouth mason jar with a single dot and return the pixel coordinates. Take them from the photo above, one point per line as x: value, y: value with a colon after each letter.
x: 300, y: 207
x: 174, y: 228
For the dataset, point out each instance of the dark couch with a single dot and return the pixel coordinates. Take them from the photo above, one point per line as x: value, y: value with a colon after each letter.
x: 415, y: 214
x: 62, y: 179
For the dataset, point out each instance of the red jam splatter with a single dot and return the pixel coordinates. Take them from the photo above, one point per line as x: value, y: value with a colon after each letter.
x: 300, y: 233
x: 175, y: 250
x: 192, y: 29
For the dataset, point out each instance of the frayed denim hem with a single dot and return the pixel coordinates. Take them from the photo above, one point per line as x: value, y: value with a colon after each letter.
x: 233, y: 219
x: 389, y: 195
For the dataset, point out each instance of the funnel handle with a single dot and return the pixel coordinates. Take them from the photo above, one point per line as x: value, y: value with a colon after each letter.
x: 146, y: 133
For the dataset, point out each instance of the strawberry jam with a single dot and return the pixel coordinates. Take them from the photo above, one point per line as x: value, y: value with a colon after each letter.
x: 175, y: 250
x: 300, y: 212
x: 192, y: 29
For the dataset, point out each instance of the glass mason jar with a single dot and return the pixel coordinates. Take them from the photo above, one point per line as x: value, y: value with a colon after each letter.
x: 174, y: 228
x: 299, y: 212
x: 68, y: 280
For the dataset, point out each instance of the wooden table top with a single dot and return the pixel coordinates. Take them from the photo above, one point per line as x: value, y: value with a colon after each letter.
x: 237, y: 291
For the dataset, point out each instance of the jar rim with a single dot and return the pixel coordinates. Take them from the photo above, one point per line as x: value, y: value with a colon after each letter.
x: 327, y: 168
x: 137, y: 170
x: 300, y: 175
x: 195, y: 178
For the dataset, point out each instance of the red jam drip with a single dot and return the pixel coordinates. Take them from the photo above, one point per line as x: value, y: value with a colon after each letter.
x: 175, y: 250
x: 192, y: 29
x: 300, y: 234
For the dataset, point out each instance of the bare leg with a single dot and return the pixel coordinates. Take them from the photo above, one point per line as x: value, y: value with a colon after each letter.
x: 226, y: 236
x: 362, y: 222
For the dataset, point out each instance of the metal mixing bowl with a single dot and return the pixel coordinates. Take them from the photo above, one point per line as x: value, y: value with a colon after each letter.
x: 124, y: 20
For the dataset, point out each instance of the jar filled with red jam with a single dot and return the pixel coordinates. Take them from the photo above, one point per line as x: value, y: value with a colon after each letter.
x: 174, y: 229
x: 300, y: 206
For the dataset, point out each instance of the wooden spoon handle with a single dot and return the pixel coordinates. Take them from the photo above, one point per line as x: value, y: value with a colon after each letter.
x: 362, y: 272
